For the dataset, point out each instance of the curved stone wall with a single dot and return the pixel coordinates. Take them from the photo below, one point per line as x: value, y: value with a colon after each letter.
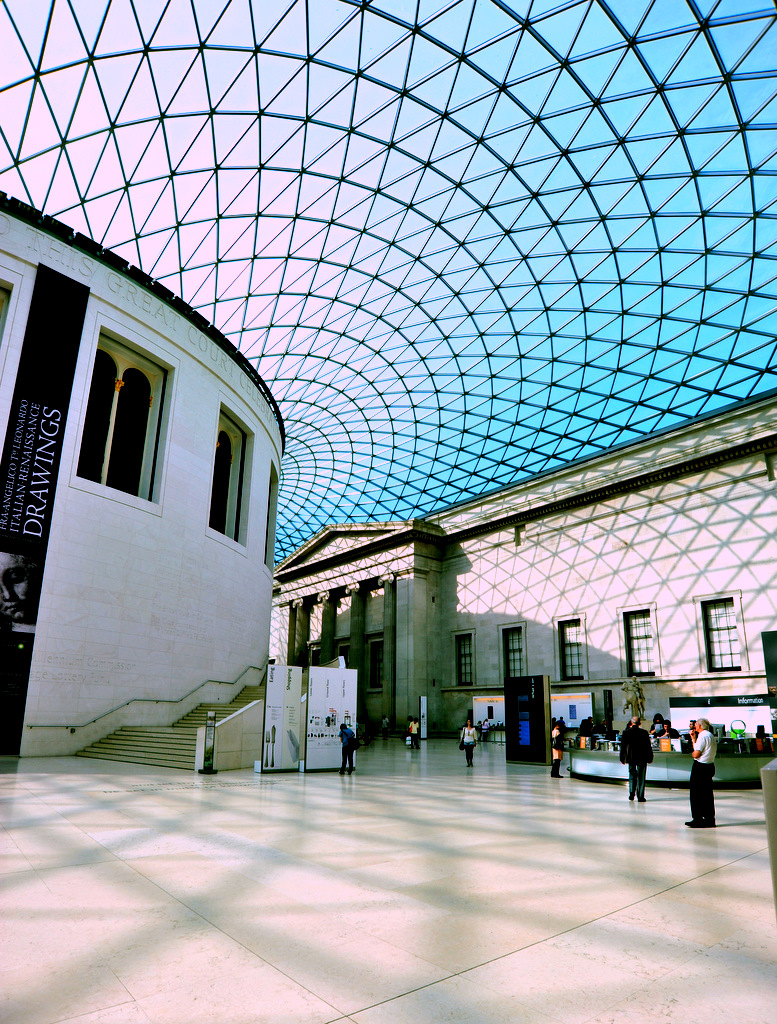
x: 143, y: 600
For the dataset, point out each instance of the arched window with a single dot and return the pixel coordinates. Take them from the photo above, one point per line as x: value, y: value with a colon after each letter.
x: 272, y: 509
x: 121, y: 426
x: 226, y: 497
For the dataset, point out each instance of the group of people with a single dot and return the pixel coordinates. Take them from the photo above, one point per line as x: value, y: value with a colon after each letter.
x: 636, y: 751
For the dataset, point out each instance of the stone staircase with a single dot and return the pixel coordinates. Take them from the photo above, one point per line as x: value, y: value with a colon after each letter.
x: 171, y: 746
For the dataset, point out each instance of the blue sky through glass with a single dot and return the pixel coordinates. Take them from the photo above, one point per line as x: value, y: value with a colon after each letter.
x: 462, y: 242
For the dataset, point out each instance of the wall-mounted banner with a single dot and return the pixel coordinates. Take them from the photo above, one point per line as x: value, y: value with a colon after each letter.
x: 331, y: 701
x: 28, y: 477
x: 282, y: 730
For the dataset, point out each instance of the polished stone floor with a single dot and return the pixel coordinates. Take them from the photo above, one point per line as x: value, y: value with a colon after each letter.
x: 413, y: 891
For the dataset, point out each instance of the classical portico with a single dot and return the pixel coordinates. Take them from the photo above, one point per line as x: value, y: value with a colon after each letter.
x: 362, y: 592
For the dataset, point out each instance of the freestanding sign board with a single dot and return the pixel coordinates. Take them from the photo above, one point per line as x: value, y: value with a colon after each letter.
x: 282, y: 732
x: 527, y: 719
x: 331, y: 701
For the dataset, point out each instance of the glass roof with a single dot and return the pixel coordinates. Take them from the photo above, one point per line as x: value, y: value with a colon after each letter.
x: 462, y: 242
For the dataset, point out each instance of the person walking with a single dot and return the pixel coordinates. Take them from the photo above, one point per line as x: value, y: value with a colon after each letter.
x: 468, y: 741
x: 348, y: 740
x: 415, y: 734
x: 705, y: 747
x: 384, y: 727
x: 637, y: 753
x: 557, y: 750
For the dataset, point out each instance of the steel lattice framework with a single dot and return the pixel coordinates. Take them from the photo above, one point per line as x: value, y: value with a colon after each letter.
x: 463, y: 242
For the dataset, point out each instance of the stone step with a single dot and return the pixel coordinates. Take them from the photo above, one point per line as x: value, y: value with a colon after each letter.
x: 172, y: 746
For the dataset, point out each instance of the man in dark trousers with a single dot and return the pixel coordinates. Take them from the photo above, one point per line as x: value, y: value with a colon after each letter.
x: 705, y: 747
x: 348, y: 740
x: 637, y: 753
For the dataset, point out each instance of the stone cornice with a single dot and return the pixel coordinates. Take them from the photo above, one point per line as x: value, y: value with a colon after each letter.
x: 419, y: 531
x: 617, y: 488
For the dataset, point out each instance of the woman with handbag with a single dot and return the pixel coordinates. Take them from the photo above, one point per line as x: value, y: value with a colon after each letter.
x: 557, y: 751
x: 468, y: 741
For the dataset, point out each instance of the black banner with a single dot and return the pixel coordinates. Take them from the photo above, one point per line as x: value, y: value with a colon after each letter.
x: 28, y: 477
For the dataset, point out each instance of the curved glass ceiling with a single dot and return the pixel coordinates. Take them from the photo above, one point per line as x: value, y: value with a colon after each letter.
x: 462, y: 242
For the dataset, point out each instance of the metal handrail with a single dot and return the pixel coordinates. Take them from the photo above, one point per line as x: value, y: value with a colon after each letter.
x: 154, y: 700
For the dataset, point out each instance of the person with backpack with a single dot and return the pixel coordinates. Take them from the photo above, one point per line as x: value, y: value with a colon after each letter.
x: 349, y: 742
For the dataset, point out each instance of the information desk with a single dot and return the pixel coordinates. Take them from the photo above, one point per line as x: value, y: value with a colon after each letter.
x: 668, y: 767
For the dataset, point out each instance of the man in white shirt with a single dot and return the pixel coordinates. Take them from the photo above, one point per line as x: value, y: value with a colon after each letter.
x: 705, y: 746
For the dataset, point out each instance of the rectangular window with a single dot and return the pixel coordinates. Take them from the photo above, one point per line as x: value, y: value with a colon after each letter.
x: 376, y: 664
x: 720, y: 635
x: 123, y: 420
x: 226, y: 499
x: 344, y: 652
x: 464, y: 660
x: 638, y: 632
x: 570, y: 635
x: 512, y: 640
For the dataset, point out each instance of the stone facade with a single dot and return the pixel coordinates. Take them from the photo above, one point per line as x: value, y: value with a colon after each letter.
x: 661, y: 533
x: 142, y: 602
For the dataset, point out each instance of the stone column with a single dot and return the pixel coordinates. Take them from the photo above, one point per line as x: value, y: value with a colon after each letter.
x: 389, y: 646
x: 356, y: 644
x: 302, y: 633
x: 291, y: 636
x: 328, y: 620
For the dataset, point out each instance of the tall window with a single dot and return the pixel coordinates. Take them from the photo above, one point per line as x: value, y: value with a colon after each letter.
x: 376, y: 664
x: 638, y: 632
x: 272, y: 509
x: 121, y: 427
x: 513, y: 651
x: 570, y: 635
x: 464, y: 660
x: 344, y: 652
x: 720, y: 635
x: 226, y: 497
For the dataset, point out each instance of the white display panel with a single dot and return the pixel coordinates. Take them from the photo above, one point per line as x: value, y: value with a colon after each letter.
x: 282, y: 734
x: 482, y: 705
x: 572, y: 707
x: 723, y: 711
x: 331, y: 701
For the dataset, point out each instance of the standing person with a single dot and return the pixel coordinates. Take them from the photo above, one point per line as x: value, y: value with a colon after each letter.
x: 637, y: 753
x: 348, y: 740
x: 384, y: 726
x: 468, y: 741
x: 484, y: 729
x: 557, y: 751
x: 415, y: 731
x: 705, y: 747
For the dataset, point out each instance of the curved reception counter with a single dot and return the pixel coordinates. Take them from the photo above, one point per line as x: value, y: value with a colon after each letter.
x: 668, y: 768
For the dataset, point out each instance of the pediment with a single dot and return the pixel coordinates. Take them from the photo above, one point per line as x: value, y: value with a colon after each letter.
x: 334, y: 541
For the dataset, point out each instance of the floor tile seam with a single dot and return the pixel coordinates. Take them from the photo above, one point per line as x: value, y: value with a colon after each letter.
x: 547, y: 938
x: 216, y: 927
